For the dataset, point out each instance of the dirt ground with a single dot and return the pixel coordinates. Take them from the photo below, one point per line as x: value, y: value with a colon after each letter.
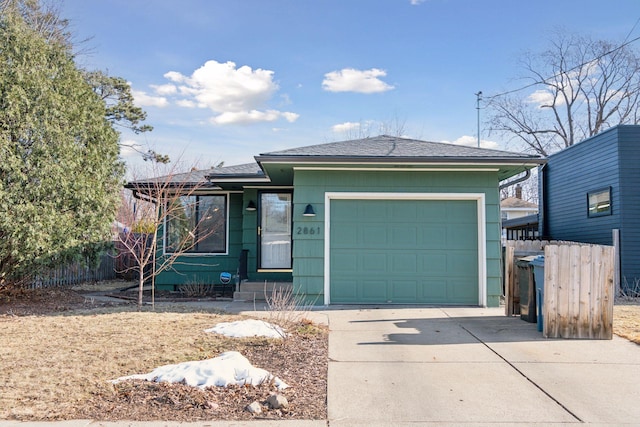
x: 61, y: 347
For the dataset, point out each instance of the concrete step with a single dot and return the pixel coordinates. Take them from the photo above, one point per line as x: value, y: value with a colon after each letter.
x: 255, y: 291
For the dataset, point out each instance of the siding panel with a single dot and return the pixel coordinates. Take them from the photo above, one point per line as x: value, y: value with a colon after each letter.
x: 609, y: 159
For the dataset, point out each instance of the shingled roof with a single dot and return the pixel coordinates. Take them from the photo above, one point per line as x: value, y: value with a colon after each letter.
x: 195, y: 176
x: 247, y: 169
x: 391, y: 148
x: 383, y: 148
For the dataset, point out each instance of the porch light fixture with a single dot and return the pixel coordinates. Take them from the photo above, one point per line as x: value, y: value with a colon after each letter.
x: 251, y: 206
x: 308, y: 211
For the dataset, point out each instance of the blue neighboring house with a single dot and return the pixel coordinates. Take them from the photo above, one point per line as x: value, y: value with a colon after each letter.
x: 592, y: 188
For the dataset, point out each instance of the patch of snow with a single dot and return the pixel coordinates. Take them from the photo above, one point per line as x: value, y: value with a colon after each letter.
x: 230, y: 368
x: 248, y: 328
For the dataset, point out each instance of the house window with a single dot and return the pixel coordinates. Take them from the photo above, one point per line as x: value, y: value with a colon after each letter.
x: 197, y: 224
x: 599, y: 202
x: 275, y: 230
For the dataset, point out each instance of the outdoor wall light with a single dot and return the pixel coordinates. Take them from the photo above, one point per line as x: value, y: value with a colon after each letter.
x: 308, y: 211
x: 251, y: 206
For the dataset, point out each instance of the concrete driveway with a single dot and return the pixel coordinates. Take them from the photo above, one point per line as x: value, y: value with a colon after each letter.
x: 473, y: 366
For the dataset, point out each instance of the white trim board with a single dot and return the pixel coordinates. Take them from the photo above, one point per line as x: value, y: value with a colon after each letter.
x: 392, y: 169
x: 482, y: 229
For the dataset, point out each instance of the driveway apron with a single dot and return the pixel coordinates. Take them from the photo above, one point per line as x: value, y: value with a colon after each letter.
x: 449, y: 366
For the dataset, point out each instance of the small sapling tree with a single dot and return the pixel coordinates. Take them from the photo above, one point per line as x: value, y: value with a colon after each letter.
x: 170, y: 215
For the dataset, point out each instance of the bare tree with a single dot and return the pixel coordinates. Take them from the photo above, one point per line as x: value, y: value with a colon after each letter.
x: 578, y: 87
x: 168, y: 217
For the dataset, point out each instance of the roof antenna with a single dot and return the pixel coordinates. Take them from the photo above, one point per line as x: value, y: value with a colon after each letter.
x: 478, y: 98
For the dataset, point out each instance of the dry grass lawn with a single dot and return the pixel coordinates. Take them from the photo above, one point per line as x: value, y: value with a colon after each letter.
x: 626, y: 321
x: 58, y: 366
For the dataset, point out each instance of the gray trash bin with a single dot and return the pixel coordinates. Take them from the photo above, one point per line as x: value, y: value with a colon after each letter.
x: 538, y: 275
x: 527, y: 290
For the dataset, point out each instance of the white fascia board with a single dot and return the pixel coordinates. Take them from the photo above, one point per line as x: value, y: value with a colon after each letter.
x: 217, y: 180
x: 268, y: 187
x: 416, y: 163
x: 392, y: 169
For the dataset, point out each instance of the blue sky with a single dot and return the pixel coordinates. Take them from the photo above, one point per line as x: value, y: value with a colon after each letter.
x: 224, y: 80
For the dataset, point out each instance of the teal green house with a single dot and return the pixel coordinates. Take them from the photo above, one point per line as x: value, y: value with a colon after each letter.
x: 380, y: 220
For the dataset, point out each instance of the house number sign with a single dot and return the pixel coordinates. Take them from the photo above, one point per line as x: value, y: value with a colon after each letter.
x: 308, y: 230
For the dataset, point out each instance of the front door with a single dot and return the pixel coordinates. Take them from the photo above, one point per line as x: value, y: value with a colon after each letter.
x: 275, y: 231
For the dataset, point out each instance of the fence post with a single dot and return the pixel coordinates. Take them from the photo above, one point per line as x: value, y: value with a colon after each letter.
x: 508, y: 280
x: 616, y: 261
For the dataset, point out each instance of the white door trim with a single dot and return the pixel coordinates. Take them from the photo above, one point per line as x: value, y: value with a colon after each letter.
x: 482, y: 232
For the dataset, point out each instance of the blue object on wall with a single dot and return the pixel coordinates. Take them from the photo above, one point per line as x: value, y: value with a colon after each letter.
x: 225, y: 277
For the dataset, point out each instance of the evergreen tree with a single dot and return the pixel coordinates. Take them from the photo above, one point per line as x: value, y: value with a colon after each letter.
x: 59, y: 169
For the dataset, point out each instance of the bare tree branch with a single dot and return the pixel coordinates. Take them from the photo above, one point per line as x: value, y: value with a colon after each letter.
x: 581, y: 87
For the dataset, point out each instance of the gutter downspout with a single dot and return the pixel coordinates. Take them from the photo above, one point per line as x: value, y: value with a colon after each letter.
x: 517, y: 180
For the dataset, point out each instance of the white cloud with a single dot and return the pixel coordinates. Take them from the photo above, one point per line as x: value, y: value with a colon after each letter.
x: 145, y: 100
x: 167, y: 89
x: 290, y: 117
x: 186, y: 103
x: 174, y: 76
x: 253, y: 116
x: 472, y: 141
x: 345, y: 127
x: 417, y: 2
x: 235, y: 95
x: 352, y: 80
x: 543, y: 97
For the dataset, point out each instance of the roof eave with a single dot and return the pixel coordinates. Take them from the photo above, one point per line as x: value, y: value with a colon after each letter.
x: 150, y: 188
x: 401, y: 160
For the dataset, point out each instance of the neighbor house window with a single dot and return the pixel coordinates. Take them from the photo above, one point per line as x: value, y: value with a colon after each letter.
x: 197, y: 224
x: 599, y: 202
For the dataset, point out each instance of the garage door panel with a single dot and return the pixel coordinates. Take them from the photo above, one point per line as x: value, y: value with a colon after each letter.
x: 404, y: 291
x: 344, y: 262
x: 374, y: 236
x: 404, y: 212
x: 374, y: 290
x: 458, y: 210
x: 460, y: 290
x: 374, y: 210
x: 435, y: 262
x: 463, y: 263
x: 434, y: 290
x: 404, y: 251
x: 404, y: 263
x: 344, y: 235
x: 374, y: 262
x: 433, y: 237
x: 406, y: 236
x: 432, y: 210
x: 459, y: 236
x: 344, y: 209
x: 347, y: 291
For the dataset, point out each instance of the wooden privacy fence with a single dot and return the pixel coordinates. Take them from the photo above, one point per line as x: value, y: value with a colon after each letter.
x: 515, y: 249
x: 75, y: 273
x: 578, y: 287
x: 578, y: 291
